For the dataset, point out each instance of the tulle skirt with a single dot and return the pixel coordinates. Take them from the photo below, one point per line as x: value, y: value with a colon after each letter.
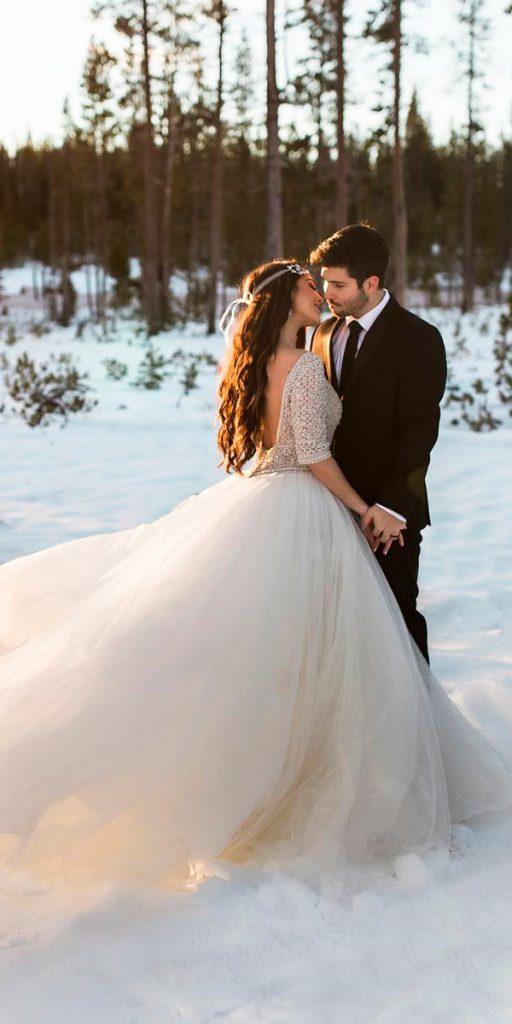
x: 234, y: 680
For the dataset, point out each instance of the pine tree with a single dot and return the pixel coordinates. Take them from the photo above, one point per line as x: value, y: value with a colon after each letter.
x: 341, y: 74
x: 424, y: 183
x: 274, y: 241
x: 471, y: 15
x: 101, y: 127
x: 386, y: 26
x: 312, y: 88
x: 137, y: 22
x: 244, y: 182
x: 218, y: 11
x: 178, y: 45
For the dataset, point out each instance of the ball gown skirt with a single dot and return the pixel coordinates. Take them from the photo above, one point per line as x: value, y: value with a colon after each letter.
x: 233, y: 680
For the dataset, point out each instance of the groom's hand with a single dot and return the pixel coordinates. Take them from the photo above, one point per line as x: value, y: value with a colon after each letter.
x: 381, y: 527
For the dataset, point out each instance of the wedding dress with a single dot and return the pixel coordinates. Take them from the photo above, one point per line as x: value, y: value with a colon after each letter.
x: 233, y: 680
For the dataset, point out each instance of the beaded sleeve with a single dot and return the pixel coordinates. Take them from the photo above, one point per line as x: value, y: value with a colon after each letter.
x: 309, y: 411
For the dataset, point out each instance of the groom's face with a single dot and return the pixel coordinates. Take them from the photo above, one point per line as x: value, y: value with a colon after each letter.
x: 344, y: 296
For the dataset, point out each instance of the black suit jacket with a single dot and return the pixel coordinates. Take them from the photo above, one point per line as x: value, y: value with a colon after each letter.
x: 391, y: 412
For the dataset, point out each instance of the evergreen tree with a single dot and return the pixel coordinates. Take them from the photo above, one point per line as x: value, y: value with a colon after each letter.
x: 100, y: 129
x: 217, y: 10
x: 385, y: 26
x: 274, y: 241
x: 472, y: 17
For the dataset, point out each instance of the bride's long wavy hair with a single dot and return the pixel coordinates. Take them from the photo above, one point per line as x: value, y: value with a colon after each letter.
x: 244, y: 376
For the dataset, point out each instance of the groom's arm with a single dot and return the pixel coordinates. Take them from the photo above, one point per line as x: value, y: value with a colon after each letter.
x: 421, y: 388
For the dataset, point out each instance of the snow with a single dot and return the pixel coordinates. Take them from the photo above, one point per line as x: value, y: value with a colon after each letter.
x: 425, y: 941
x: 18, y: 279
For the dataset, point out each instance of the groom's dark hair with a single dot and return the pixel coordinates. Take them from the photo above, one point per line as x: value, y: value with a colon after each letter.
x: 359, y: 248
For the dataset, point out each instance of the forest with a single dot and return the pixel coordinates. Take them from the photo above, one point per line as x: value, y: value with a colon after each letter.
x: 168, y: 165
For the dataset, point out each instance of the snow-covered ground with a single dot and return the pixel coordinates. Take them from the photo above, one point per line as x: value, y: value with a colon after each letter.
x: 428, y: 942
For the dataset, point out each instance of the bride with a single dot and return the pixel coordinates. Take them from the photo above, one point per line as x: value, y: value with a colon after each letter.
x: 235, y: 679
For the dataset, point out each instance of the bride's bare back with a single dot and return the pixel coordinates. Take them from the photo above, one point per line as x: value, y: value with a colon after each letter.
x: 278, y: 369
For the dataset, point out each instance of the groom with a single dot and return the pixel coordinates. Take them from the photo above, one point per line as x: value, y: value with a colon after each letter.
x: 389, y: 366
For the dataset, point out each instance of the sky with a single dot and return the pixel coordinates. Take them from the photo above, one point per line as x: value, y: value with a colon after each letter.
x: 43, y: 45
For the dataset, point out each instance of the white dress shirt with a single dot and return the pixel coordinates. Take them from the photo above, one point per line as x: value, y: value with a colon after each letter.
x: 340, y: 344
x: 366, y: 321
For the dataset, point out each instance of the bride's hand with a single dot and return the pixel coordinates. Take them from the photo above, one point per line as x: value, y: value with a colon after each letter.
x: 391, y: 541
x: 374, y: 541
x: 384, y: 526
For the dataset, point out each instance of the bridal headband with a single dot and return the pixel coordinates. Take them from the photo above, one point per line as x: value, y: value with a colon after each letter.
x: 232, y: 312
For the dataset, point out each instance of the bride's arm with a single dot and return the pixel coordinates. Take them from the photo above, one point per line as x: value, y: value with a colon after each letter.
x: 309, y: 422
x: 330, y: 474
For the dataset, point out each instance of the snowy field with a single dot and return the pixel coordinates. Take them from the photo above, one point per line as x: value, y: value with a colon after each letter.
x: 427, y: 941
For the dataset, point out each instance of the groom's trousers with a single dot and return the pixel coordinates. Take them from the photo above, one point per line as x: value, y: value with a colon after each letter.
x: 400, y: 567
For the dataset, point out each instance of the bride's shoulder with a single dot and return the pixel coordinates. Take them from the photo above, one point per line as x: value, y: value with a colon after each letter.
x: 310, y: 366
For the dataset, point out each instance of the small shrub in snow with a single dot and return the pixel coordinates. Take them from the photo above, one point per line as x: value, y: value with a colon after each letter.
x: 189, y: 379
x: 10, y: 334
x: 152, y: 370
x: 472, y: 407
x: 155, y: 367
x: 103, y: 331
x: 53, y: 390
x: 190, y: 363
x: 38, y: 328
x: 80, y: 327
x: 503, y: 359
x: 115, y: 369
x: 461, y: 346
x: 205, y: 358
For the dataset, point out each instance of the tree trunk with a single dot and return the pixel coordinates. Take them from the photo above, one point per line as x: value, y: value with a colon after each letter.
x: 399, y: 203
x: 51, y: 289
x: 319, y: 201
x: 193, y: 246
x: 100, y: 215
x: 170, y: 156
x: 468, y: 290
x: 150, y: 275
x: 87, y: 255
x: 341, y: 160
x: 67, y: 295
x: 274, y: 242
x: 35, y: 290
x: 216, y: 193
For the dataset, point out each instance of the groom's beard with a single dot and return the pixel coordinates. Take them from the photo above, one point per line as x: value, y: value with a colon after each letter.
x: 352, y: 307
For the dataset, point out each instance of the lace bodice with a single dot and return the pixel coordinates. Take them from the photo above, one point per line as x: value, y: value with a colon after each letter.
x: 310, y: 413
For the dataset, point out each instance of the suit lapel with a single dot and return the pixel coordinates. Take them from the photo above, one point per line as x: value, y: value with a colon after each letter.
x: 322, y: 345
x: 378, y: 331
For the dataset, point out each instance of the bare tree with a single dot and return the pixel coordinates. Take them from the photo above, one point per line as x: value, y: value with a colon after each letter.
x: 171, y: 144
x: 274, y: 240
x: 196, y: 127
x: 177, y: 43
x: 99, y: 117
x: 386, y: 27
x: 399, y: 202
x: 217, y: 10
x: 150, y: 277
x: 138, y: 21
x: 322, y: 78
x: 471, y: 13
x: 341, y: 159
x: 309, y: 90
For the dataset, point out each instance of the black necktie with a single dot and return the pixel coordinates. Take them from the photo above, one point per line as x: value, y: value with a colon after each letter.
x: 349, y: 355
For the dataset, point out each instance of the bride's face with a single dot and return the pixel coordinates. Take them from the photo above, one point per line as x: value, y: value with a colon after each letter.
x: 307, y: 301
